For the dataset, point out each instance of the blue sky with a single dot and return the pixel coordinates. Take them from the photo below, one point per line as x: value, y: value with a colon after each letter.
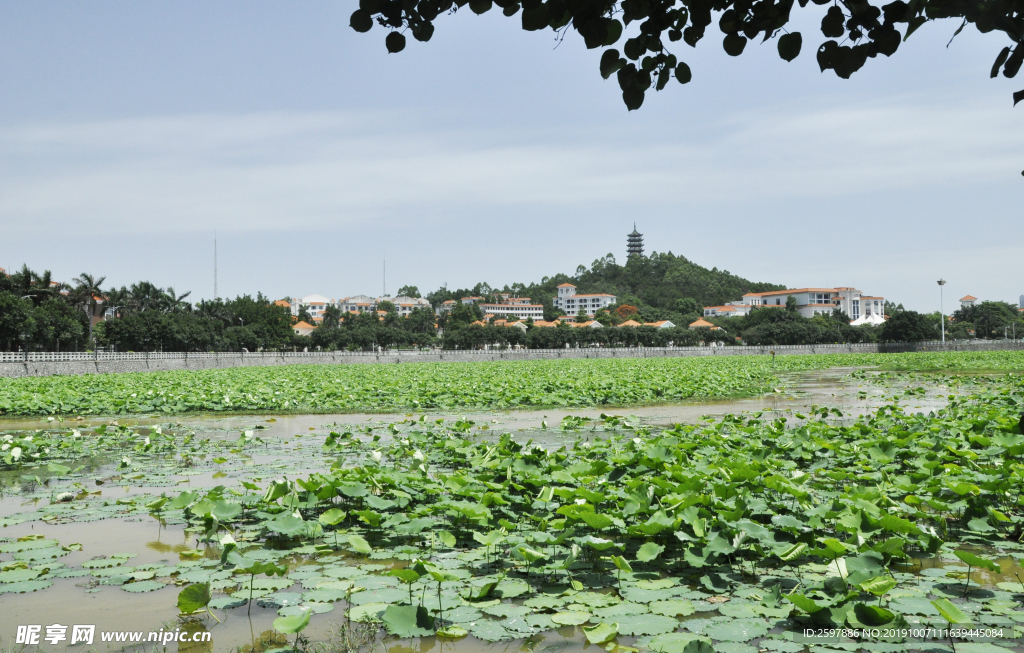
x: 129, y: 132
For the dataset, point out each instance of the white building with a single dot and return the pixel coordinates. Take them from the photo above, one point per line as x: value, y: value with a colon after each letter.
x: 405, y: 305
x: 520, y: 307
x: 967, y: 301
x: 366, y: 304
x: 571, y: 303
x: 732, y: 309
x: 315, y: 305
x: 358, y: 304
x: 862, y: 309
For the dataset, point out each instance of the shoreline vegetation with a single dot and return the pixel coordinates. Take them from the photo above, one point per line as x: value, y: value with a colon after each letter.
x: 451, y: 386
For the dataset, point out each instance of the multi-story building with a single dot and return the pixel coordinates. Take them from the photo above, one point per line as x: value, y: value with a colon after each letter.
x: 732, y: 309
x: 862, y: 309
x: 358, y: 304
x: 967, y: 301
x: 405, y: 305
x: 571, y: 303
x: 365, y: 304
x: 315, y: 305
x: 520, y: 307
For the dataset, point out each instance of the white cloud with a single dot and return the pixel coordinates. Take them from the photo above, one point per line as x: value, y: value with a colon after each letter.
x: 274, y: 171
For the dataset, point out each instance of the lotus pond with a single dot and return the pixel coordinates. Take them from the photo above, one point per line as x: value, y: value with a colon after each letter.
x: 449, y: 386
x: 887, y: 503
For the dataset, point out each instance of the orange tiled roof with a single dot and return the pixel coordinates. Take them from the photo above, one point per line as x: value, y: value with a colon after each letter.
x: 968, y: 298
x: 701, y: 324
x: 630, y: 323
x: 565, y: 285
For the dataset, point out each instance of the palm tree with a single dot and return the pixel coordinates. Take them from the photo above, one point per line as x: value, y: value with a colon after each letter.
x: 89, y: 295
x: 214, y: 309
x: 174, y: 303
x: 332, y: 316
x: 145, y: 296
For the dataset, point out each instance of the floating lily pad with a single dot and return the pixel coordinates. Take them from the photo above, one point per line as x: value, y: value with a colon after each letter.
x: 19, y: 575
x: 280, y: 599
x: 452, y: 632
x: 737, y: 630
x: 368, y: 612
x: 612, y: 612
x: 226, y: 603
x: 25, y: 586
x: 28, y: 545
x: 488, y: 630
x: 506, y: 610
x: 573, y: 618
x: 659, y: 584
x: 674, y: 608
x: 143, y: 586
x: 646, y: 624
x: 312, y: 608
x: 673, y: 642
x: 545, y: 602
x: 509, y: 589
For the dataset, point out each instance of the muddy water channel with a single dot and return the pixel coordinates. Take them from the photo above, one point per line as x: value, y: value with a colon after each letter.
x: 88, y: 541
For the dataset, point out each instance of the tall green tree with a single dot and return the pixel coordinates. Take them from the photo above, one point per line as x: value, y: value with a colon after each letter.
x: 16, y: 324
x: 90, y: 295
x: 909, y: 326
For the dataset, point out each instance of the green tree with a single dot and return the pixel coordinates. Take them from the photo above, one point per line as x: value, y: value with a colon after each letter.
x: 791, y: 304
x: 909, y: 326
x: 990, y: 318
x: 89, y: 295
x: 304, y: 316
x: 421, y: 321
x: 332, y: 317
x: 409, y: 291
x: 15, y: 320
x: 582, y: 316
x: 688, y: 306
x: 56, y: 322
x: 856, y: 30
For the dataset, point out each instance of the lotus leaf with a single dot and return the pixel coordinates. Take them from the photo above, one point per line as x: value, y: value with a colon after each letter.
x: 676, y: 608
x: 737, y: 630
x: 601, y: 633
x: 646, y: 624
x: 143, y: 586
x: 571, y: 618
x: 408, y: 621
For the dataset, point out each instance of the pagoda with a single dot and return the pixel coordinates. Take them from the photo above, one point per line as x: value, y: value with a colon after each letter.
x: 635, y: 243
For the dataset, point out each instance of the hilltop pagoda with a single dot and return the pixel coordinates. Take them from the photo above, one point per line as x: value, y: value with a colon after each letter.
x: 635, y: 243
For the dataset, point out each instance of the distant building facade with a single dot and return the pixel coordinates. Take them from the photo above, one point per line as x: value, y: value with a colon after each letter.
x: 314, y: 304
x: 571, y: 303
x: 862, y: 309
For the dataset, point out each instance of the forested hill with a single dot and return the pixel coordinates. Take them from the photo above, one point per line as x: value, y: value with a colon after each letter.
x: 659, y: 281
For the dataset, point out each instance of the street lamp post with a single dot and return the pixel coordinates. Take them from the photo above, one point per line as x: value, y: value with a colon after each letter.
x: 942, y: 318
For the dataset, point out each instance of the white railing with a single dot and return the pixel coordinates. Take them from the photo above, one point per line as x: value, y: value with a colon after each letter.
x: 91, y: 356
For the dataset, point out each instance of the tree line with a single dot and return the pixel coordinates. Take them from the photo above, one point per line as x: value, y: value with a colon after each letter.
x: 40, y: 314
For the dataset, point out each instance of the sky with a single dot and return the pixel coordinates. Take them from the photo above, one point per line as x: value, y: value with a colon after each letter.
x: 133, y: 132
